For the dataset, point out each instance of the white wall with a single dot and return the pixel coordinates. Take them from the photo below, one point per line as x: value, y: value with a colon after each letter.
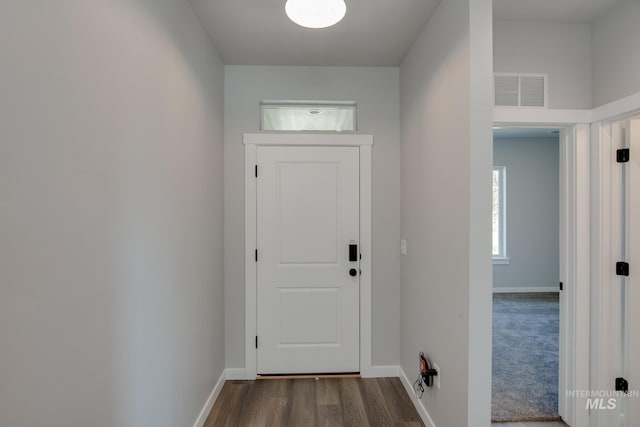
x: 563, y: 50
x: 616, y: 63
x: 533, y: 212
x: 446, y: 151
x: 376, y: 91
x: 111, y: 294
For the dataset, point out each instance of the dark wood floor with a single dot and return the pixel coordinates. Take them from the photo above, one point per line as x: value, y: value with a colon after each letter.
x: 314, y: 402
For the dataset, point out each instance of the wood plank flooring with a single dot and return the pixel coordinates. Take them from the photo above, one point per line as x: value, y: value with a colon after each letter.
x: 329, y: 402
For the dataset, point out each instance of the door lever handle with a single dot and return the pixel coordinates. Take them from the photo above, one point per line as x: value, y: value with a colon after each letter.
x: 353, y: 253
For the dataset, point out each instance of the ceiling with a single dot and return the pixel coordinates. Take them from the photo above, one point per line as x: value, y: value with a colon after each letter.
x: 373, y: 32
x: 257, y: 32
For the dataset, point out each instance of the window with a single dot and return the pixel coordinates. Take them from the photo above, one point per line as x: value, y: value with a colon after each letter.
x: 499, y: 216
x: 308, y: 116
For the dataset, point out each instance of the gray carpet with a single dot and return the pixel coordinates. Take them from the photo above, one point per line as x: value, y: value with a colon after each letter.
x: 525, y: 357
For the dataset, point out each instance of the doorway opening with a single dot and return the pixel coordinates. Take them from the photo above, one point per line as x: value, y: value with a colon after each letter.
x: 526, y: 274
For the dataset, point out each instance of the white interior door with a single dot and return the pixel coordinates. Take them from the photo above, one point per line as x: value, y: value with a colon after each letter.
x: 632, y: 286
x: 616, y: 304
x: 307, y: 286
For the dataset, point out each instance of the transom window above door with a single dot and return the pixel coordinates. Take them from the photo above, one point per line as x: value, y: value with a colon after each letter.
x: 307, y: 116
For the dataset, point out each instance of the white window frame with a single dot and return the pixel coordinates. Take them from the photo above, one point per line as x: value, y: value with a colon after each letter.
x: 310, y: 104
x: 502, y: 258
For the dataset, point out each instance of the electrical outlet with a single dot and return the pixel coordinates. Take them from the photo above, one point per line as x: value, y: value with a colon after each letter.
x: 436, y: 379
x: 403, y: 247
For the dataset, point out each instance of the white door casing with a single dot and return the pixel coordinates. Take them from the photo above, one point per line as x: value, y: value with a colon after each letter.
x: 606, y: 230
x: 253, y: 142
x: 308, y: 303
x: 574, y: 272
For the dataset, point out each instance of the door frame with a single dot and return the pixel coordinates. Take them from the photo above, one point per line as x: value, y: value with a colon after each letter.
x: 251, y: 141
x: 606, y: 208
x: 574, y: 261
x: 575, y: 272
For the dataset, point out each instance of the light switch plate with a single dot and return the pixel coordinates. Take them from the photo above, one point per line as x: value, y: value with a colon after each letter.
x: 403, y: 247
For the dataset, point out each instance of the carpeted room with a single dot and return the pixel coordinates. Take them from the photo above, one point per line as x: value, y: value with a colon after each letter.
x: 526, y: 269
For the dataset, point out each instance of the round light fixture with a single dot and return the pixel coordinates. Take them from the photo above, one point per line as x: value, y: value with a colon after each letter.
x: 315, y: 13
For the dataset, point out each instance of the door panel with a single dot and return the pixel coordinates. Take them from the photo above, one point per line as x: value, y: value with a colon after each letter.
x: 297, y: 206
x: 308, y: 316
x: 308, y: 304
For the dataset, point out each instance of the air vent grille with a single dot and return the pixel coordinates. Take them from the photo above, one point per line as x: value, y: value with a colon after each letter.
x: 507, y: 90
x: 520, y: 90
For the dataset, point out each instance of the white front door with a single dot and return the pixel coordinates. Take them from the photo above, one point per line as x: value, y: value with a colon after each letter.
x: 307, y: 286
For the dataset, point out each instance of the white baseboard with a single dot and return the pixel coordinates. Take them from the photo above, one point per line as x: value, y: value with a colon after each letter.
x: 211, y: 400
x: 526, y: 289
x: 238, y: 374
x: 381, y: 371
x: 422, y: 411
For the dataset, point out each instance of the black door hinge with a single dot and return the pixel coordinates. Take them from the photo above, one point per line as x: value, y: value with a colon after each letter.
x: 256, y: 341
x: 622, y: 268
x: 622, y: 385
x: 561, y: 286
x: 256, y: 171
x: 256, y: 255
x: 622, y: 155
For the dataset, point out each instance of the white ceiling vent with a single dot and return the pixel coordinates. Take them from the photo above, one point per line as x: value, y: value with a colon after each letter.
x: 520, y: 90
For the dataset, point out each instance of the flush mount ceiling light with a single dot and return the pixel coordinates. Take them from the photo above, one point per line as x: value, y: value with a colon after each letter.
x: 315, y: 13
